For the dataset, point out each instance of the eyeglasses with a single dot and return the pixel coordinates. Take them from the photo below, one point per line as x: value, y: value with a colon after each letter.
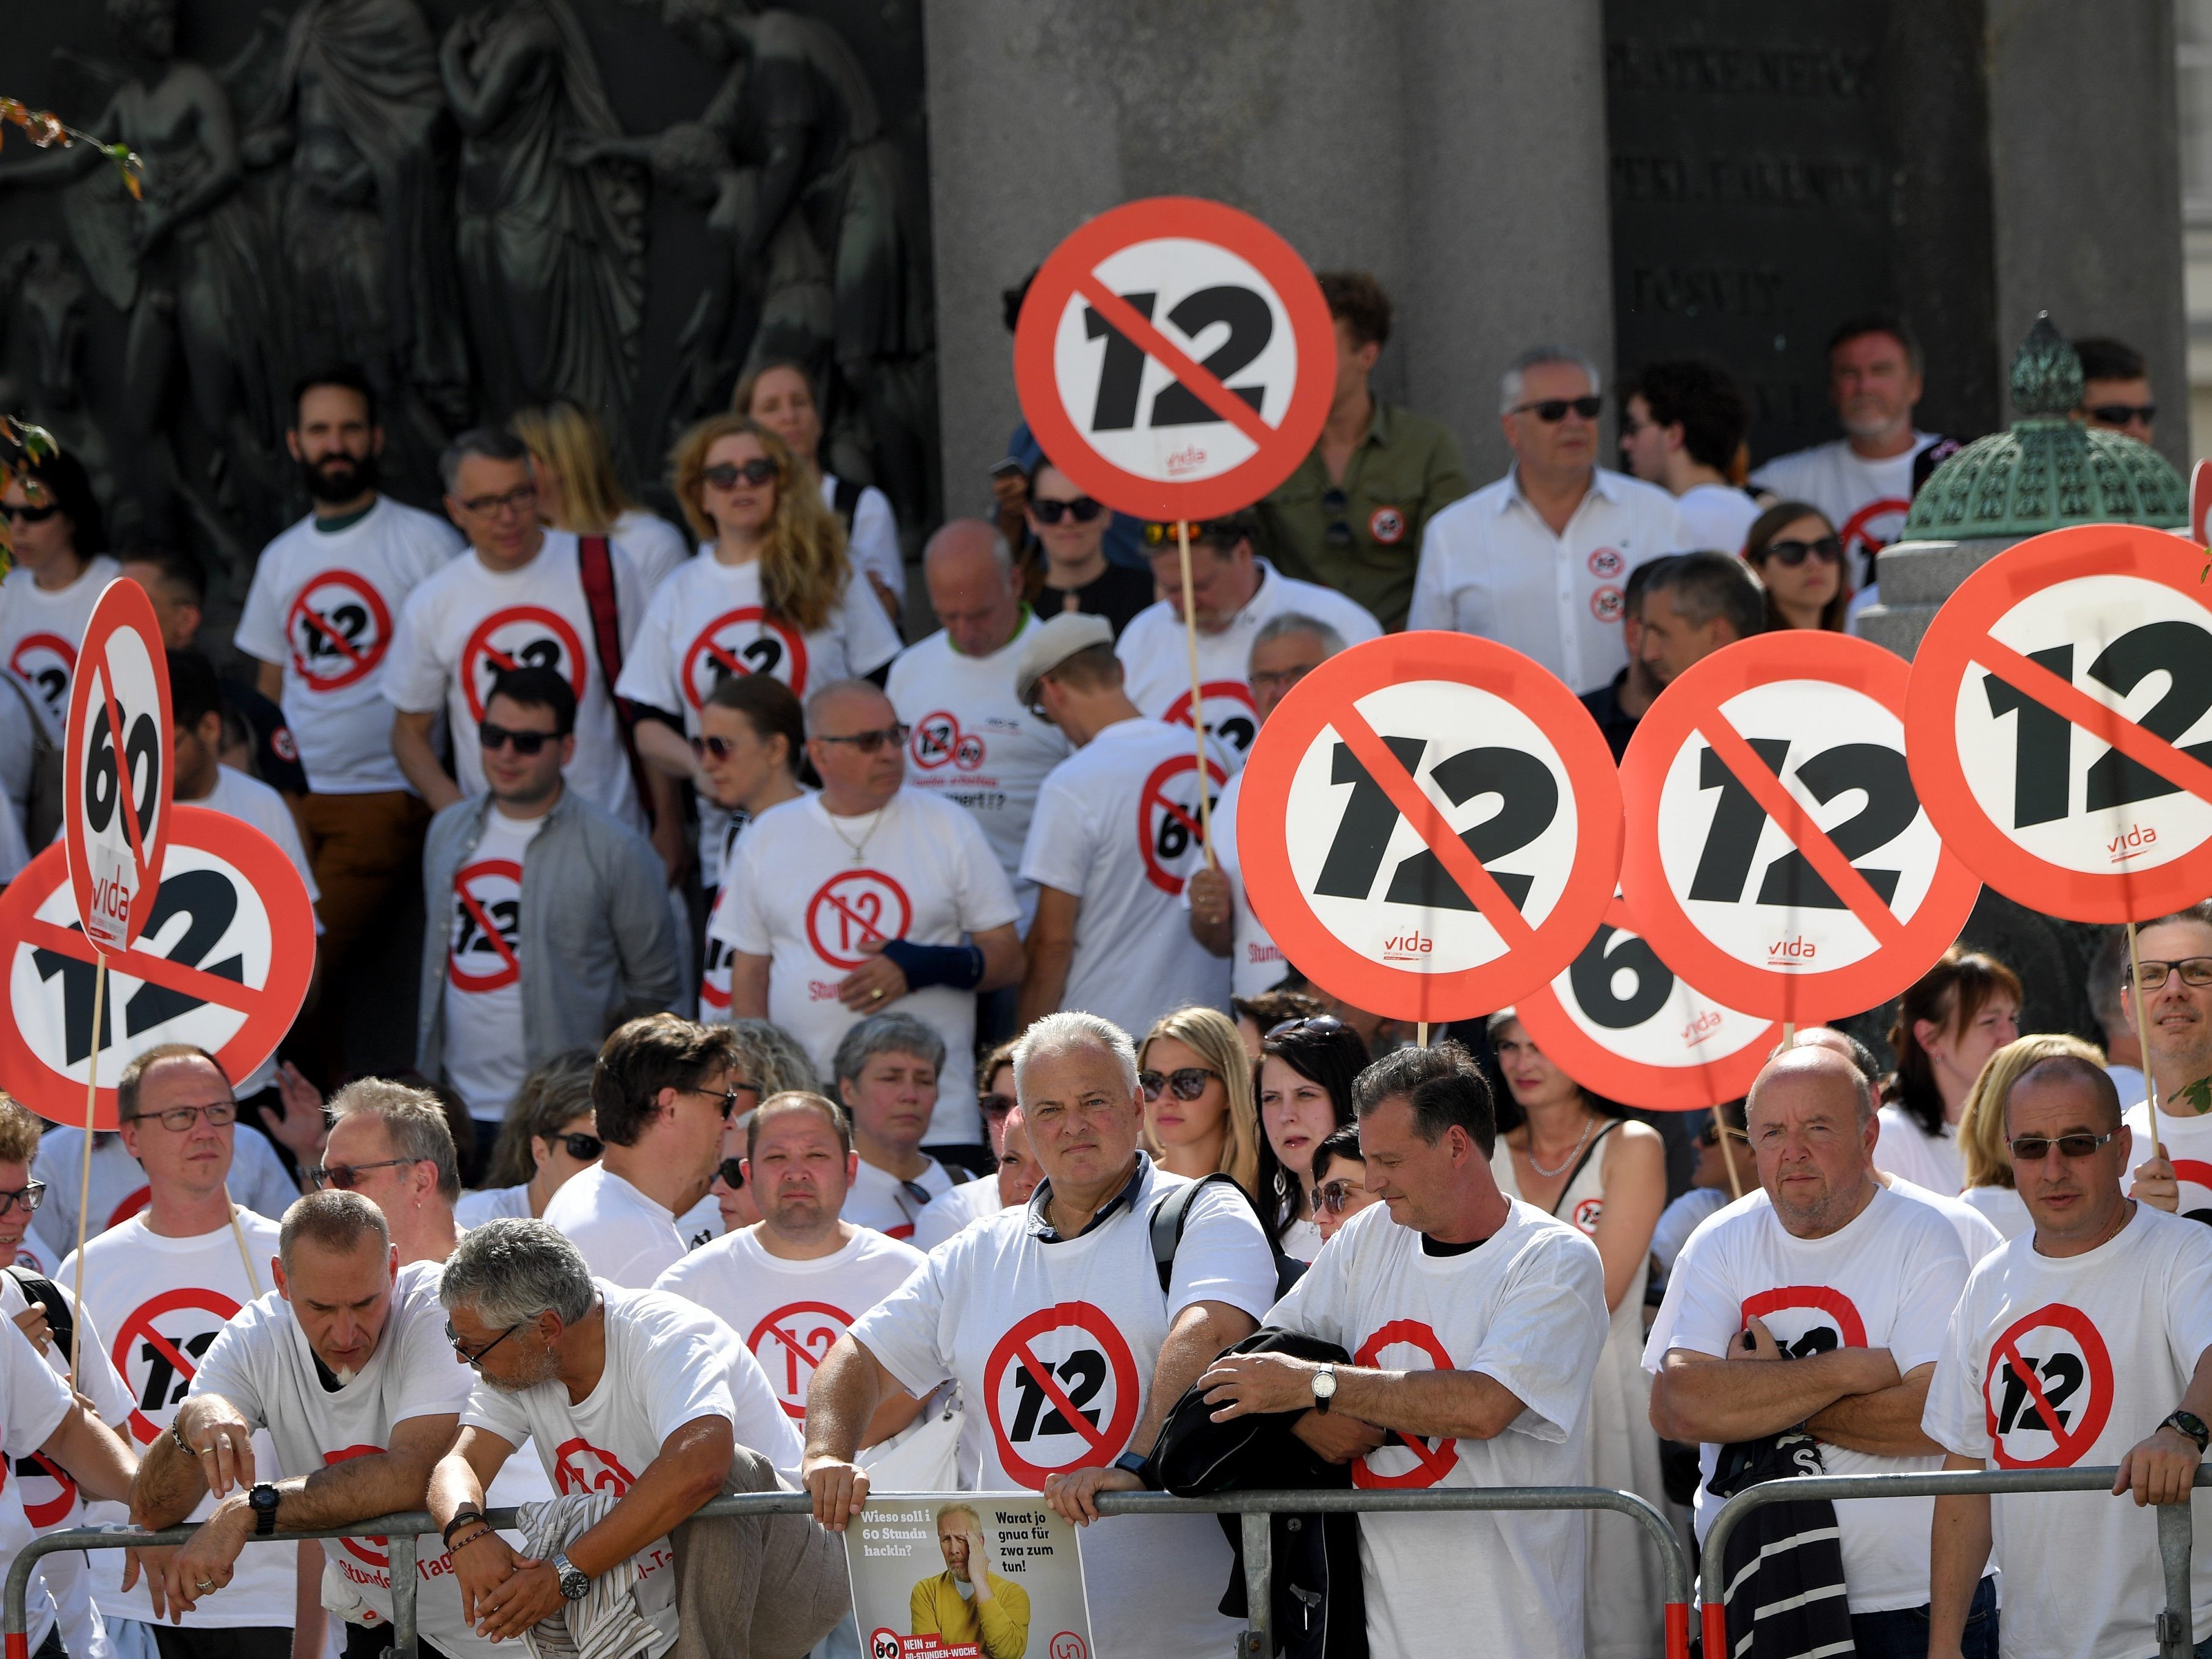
x: 1187, y: 1082
x: 869, y: 742
x: 29, y: 514
x: 1335, y: 1196
x: 2194, y: 970
x: 1712, y: 1134
x: 30, y: 1195
x: 720, y: 748
x: 522, y: 499
x: 726, y: 476
x: 2033, y: 1149
x: 1308, y: 1022
x: 346, y: 1176
x: 476, y: 1358
x: 996, y: 1105
x: 1279, y: 682
x: 1082, y: 509
x: 1336, y: 504
x: 492, y: 738
x: 728, y: 1097
x: 2121, y: 414
x: 582, y: 1147
x: 1552, y: 410
x: 732, y: 1171
x: 1827, y: 549
x: 177, y: 1119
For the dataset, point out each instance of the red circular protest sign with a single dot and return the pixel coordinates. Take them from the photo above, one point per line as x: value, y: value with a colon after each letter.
x: 339, y: 629
x: 1233, y: 718
x: 1827, y: 1318
x: 2036, y: 741
x: 2194, y: 1178
x: 850, y: 909
x: 1167, y: 819
x: 487, y: 926
x: 579, y: 1465
x: 937, y: 741
x: 2054, y: 1389
x: 223, y: 964
x: 1430, y: 826
x: 884, y: 1642
x: 1432, y: 1460
x: 45, y: 662
x: 116, y: 786
x: 1062, y: 1379
x: 1105, y: 364
x: 791, y: 1342
x: 44, y: 1508
x: 746, y: 641
x: 1624, y: 1026
x: 370, y: 1550
x: 520, y: 636
x: 158, y: 1355
x: 1778, y: 854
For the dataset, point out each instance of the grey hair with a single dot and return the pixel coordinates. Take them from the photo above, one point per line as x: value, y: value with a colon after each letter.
x: 1288, y: 623
x: 510, y: 1271
x: 893, y: 1033
x: 334, y: 1220
x: 774, y: 1062
x: 491, y: 443
x: 822, y: 694
x: 1057, y: 1033
x: 1511, y: 383
x: 413, y: 1122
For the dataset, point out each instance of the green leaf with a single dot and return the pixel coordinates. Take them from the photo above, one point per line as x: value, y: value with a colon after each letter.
x: 2198, y: 1095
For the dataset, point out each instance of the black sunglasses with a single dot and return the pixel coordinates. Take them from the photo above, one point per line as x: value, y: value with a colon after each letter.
x: 719, y: 748
x: 1186, y: 1082
x: 582, y: 1147
x: 869, y: 742
x: 491, y: 737
x: 346, y: 1176
x: 29, y: 514
x: 1082, y: 509
x: 732, y: 1171
x: 726, y: 475
x: 1552, y: 410
x: 2121, y: 414
x: 1826, y: 549
x: 726, y: 1098
x: 996, y: 1105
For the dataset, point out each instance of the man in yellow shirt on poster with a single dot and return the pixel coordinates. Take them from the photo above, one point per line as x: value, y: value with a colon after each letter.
x: 968, y: 1605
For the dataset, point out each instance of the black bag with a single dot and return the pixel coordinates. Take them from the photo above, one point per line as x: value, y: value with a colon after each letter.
x: 1172, y: 1214
x: 36, y: 1287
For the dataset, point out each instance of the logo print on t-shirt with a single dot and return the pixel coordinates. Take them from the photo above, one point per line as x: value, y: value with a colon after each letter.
x: 1060, y: 1389
x: 487, y: 925
x: 45, y: 662
x: 853, y: 910
x: 1860, y: 533
x: 938, y: 740
x: 746, y: 641
x: 338, y: 628
x: 1609, y: 604
x: 158, y: 1347
x: 1168, y: 820
x: 1586, y: 1214
x: 579, y: 1465
x: 2047, y: 1392
x: 1407, y: 1343
x: 520, y: 636
x: 1231, y: 716
x: 2194, y: 1177
x: 1807, y: 1319
x: 790, y: 1343
x: 365, y: 1549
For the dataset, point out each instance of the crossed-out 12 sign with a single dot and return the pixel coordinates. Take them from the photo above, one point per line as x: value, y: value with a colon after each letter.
x: 853, y: 909
x: 1061, y: 1391
x: 2060, y: 723
x: 746, y: 641
x: 579, y: 1465
x: 45, y: 662
x: 937, y: 741
x: 520, y: 636
x: 1430, y: 826
x: 158, y: 1347
x: 1623, y: 1025
x: 1175, y: 357
x: 1232, y: 719
x: 1807, y: 1319
x: 482, y: 956
x: 116, y: 786
x: 2047, y: 1389
x: 223, y: 964
x: 338, y: 629
x: 1778, y: 854
x: 1413, y: 1462
x: 791, y: 1342
x: 1168, y: 819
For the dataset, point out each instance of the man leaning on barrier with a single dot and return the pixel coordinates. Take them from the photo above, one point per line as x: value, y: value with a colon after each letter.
x: 345, y: 1364
x: 643, y: 1409
x: 2087, y: 1341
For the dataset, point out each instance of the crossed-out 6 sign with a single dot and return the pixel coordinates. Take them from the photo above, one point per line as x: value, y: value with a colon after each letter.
x: 1175, y: 357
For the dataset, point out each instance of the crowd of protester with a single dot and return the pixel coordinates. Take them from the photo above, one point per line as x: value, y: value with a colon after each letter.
x: 800, y: 1026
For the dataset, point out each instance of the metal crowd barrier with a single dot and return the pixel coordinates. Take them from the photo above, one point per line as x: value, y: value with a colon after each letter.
x: 1255, y: 1643
x: 2174, y: 1625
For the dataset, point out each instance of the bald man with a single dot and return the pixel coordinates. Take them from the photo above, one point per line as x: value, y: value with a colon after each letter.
x: 971, y: 741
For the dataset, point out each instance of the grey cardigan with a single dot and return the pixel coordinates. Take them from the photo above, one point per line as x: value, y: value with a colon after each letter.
x: 595, y: 930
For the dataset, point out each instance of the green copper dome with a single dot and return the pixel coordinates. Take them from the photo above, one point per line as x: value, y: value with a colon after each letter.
x: 2049, y: 471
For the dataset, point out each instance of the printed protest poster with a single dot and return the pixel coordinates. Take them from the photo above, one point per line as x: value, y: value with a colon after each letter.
x: 967, y: 1575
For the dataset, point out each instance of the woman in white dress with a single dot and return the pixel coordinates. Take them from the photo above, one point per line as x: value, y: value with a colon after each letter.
x: 1564, y: 1151
x: 1951, y: 1020
x: 579, y: 491
x: 1981, y: 1150
x: 1306, y: 1070
x: 780, y: 397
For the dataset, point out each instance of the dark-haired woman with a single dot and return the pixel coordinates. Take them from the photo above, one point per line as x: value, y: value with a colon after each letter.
x: 1954, y: 1016
x: 1799, y: 557
x: 1306, y: 1072
x: 751, y: 742
x: 61, y: 566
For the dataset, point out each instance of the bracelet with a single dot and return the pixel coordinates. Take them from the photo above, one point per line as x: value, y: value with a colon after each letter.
x: 456, y: 1548
x: 177, y: 1434
x: 466, y: 1513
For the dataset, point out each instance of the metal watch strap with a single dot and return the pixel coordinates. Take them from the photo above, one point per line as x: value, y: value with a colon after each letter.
x: 177, y: 1434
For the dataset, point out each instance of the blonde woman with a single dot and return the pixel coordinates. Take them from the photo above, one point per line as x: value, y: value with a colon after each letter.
x: 770, y: 593
x: 578, y: 492
x: 780, y: 397
x: 1986, y: 1164
x: 1200, y: 1118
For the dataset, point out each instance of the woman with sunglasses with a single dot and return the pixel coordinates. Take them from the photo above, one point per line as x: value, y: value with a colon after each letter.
x: 1307, y: 1068
x: 1065, y: 567
x: 61, y: 567
x: 1982, y: 1149
x: 780, y: 397
x: 751, y: 745
x: 1340, y: 1180
x: 551, y: 1133
x: 1797, y: 553
x: 1572, y: 1155
x: 578, y: 490
x: 1949, y: 1022
x: 1197, y: 1084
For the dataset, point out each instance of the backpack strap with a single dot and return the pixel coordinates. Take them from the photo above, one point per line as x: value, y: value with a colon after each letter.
x: 845, y: 501
x: 1170, y: 1216
x: 595, y: 561
x: 36, y: 1287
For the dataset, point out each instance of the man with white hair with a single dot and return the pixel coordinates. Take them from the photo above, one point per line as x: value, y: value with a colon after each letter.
x: 1053, y: 1319
x: 1538, y: 560
x: 392, y: 1145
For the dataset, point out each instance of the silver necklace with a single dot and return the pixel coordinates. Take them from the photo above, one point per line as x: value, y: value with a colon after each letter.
x: 859, y: 849
x: 1564, y: 1163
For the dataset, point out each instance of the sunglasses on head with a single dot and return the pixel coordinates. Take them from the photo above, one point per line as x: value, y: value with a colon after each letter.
x: 726, y: 475
x: 1082, y: 509
x: 29, y: 514
x: 493, y: 737
x: 2034, y: 1149
x: 582, y: 1147
x: 1307, y: 1022
x: 1826, y: 549
x: 2121, y: 414
x: 1186, y: 1082
x: 1552, y: 410
x: 1335, y: 1196
x: 869, y: 742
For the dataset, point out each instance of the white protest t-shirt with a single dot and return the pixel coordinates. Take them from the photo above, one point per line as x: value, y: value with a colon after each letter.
x: 627, y: 1237
x: 1908, y: 1151
x: 1977, y: 1233
x: 801, y: 895
x: 484, y: 1057
x: 2104, y: 1343
x: 253, y: 802
x: 262, y: 1364
x: 715, y: 966
x: 1116, y: 827
x: 2188, y: 1143
x: 1526, y: 1307
x: 323, y: 607
x: 492, y: 1204
x: 161, y: 1302
x: 667, y: 1363
x: 1888, y: 1278
x: 1256, y: 962
x: 970, y: 1201
x: 467, y: 622
x: 1716, y: 517
x: 33, y: 1403
x: 2003, y: 1207
x: 1054, y: 1345
x: 655, y: 546
x: 873, y: 542
x: 40, y: 633
x: 971, y: 742
x: 1155, y: 655
x: 879, y: 1199
x: 1866, y: 500
x: 257, y: 1180
x: 790, y: 1313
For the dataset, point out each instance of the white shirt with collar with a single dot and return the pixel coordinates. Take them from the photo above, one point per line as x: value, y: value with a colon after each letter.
x: 1491, y: 567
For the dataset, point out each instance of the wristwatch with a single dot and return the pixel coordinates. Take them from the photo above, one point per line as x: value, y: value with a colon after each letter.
x: 575, y: 1584
x: 1324, y: 1387
x: 1138, y: 1464
x: 2191, y: 1425
x: 263, y: 1500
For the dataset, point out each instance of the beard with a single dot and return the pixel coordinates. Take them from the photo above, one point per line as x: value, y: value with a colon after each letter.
x: 540, y: 1369
x: 338, y: 477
